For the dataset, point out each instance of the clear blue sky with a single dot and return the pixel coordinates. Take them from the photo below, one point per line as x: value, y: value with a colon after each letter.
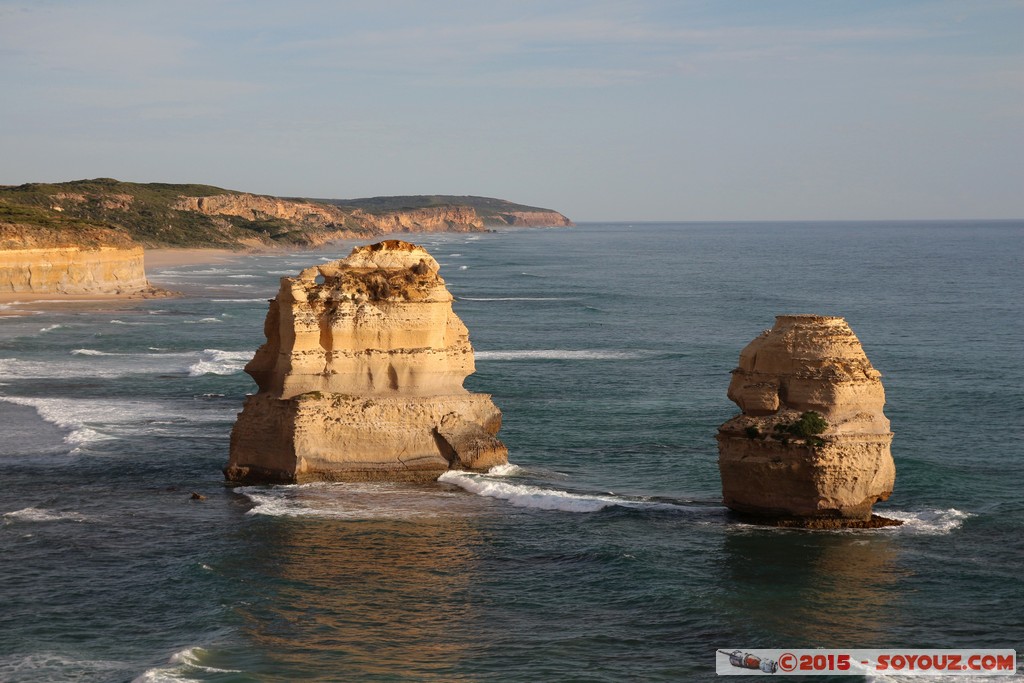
x: 625, y: 110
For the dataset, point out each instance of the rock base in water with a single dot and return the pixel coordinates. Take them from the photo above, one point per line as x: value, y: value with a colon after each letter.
x: 819, y: 523
x: 338, y: 437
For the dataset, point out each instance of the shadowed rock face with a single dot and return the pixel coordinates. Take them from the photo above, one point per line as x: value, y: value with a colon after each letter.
x: 806, y: 364
x: 361, y: 378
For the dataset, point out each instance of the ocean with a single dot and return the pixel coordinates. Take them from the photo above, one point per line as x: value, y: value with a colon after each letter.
x: 602, y: 553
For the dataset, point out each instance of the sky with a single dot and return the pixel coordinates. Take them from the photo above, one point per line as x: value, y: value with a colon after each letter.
x: 621, y: 110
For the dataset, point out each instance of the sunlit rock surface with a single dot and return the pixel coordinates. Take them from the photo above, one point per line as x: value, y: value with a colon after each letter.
x: 361, y: 378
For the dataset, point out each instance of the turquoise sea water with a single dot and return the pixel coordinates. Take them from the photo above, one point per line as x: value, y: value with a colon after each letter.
x: 603, y: 555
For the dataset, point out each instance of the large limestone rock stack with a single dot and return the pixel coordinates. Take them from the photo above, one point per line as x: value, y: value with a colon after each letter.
x: 361, y: 378
x: 811, y: 447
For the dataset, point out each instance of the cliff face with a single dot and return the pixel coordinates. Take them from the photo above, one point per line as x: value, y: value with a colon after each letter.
x: 777, y: 460
x: 73, y: 270
x: 430, y: 219
x: 534, y: 219
x: 58, y: 260
x: 253, y: 207
x: 190, y: 215
x: 332, y: 218
x: 361, y: 378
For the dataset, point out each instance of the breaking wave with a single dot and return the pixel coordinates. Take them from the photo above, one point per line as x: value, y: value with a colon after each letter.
x: 514, y: 298
x: 491, y: 485
x: 261, y: 300
x: 92, y: 421
x: 32, y: 514
x: 217, y: 362
x: 93, y: 363
x: 192, y: 661
x: 351, y: 501
x: 93, y: 352
x: 55, y: 666
x: 560, y: 354
x: 931, y: 521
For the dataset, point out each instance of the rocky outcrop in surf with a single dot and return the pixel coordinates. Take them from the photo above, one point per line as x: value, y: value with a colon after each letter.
x: 811, y: 447
x: 361, y: 378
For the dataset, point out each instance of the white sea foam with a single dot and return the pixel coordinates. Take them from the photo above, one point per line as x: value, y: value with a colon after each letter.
x: 352, y: 501
x: 33, y: 514
x: 202, y: 321
x: 261, y: 300
x: 92, y: 421
x: 182, y: 666
x: 68, y: 414
x: 463, y: 267
x: 513, y: 298
x: 506, y: 470
x: 51, y: 328
x: 217, y: 362
x: 559, y: 354
x: 56, y: 666
x: 201, y: 271
x: 929, y: 521
x: 525, y: 495
x: 93, y: 352
x: 93, y: 363
x: 491, y: 485
x: 244, y: 276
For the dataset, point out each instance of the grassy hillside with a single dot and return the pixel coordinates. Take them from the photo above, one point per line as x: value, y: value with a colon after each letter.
x: 489, y: 209
x: 141, y: 211
x: 107, y: 210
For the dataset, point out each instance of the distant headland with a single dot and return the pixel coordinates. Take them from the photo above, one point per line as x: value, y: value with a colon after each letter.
x: 87, y: 236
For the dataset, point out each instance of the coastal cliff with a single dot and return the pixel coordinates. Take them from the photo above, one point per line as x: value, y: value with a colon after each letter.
x: 255, y: 208
x: 92, y: 260
x: 98, y: 225
x: 812, y: 445
x: 184, y: 215
x: 428, y: 219
x: 340, y: 223
x: 361, y: 378
x: 74, y: 270
x: 533, y: 219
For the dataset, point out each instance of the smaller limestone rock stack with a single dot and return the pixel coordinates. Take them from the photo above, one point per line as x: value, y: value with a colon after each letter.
x: 811, y: 447
x: 361, y: 378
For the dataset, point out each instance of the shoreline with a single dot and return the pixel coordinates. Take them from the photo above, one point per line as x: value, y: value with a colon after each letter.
x: 166, y: 257
x: 10, y: 302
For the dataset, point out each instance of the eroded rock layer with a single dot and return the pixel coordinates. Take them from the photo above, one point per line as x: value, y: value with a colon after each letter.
x: 74, y: 270
x: 777, y: 460
x: 361, y: 378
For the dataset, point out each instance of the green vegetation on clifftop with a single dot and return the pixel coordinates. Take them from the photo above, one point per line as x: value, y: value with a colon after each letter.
x: 108, y: 211
x: 492, y: 211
